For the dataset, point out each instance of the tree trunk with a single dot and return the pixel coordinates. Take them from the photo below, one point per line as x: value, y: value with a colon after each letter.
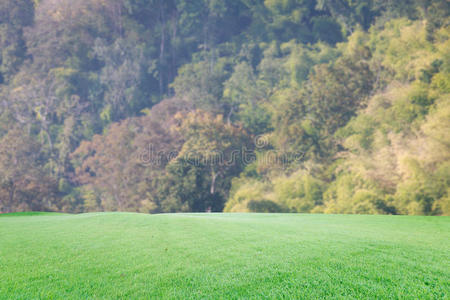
x: 230, y: 113
x: 162, y: 47
x: 213, y: 181
x: 50, y: 143
x: 173, y: 70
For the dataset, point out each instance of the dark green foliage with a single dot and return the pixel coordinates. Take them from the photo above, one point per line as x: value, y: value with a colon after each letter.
x: 14, y: 17
x: 264, y: 206
x: 327, y: 30
x: 185, y: 188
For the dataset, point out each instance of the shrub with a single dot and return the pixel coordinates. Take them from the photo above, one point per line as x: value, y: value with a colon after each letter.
x: 250, y: 191
x: 264, y: 206
x: 367, y: 202
x: 300, y: 192
x: 352, y: 194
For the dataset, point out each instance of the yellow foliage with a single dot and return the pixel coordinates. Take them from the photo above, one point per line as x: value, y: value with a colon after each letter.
x: 403, y: 48
x: 250, y: 191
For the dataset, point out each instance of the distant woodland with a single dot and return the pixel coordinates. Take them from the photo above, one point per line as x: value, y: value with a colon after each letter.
x: 154, y: 106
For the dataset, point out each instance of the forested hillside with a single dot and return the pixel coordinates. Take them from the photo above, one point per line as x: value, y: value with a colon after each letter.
x: 238, y: 105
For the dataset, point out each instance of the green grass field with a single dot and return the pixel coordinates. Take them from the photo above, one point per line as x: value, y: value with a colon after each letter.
x: 123, y: 255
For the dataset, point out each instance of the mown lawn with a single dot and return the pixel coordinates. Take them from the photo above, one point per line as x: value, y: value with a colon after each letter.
x: 124, y: 255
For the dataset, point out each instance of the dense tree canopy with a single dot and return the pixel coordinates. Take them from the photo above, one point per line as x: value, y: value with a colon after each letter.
x: 247, y: 105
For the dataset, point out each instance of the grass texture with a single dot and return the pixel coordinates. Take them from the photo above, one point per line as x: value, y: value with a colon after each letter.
x: 125, y: 255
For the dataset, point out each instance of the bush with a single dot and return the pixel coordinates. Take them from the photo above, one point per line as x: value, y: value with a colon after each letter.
x: 299, y: 193
x: 367, y: 202
x: 250, y: 191
x: 264, y: 206
x: 423, y: 192
x: 352, y: 194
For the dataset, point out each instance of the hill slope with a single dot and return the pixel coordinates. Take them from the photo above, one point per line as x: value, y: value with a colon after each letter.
x: 112, y: 255
x: 301, y: 106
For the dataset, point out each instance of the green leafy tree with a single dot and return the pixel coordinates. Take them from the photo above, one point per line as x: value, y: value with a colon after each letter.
x: 214, y: 147
x: 15, y: 16
x: 246, y: 100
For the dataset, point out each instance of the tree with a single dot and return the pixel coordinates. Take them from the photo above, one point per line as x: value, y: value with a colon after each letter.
x: 106, y: 164
x: 64, y: 33
x: 14, y: 17
x: 121, y: 75
x: 126, y: 165
x: 157, y: 144
x: 23, y: 182
x: 202, y: 84
x: 245, y: 99
x: 215, y: 149
x: 337, y: 92
x: 306, y: 120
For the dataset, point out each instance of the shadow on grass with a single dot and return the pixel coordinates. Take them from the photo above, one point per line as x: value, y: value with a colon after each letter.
x: 30, y: 213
